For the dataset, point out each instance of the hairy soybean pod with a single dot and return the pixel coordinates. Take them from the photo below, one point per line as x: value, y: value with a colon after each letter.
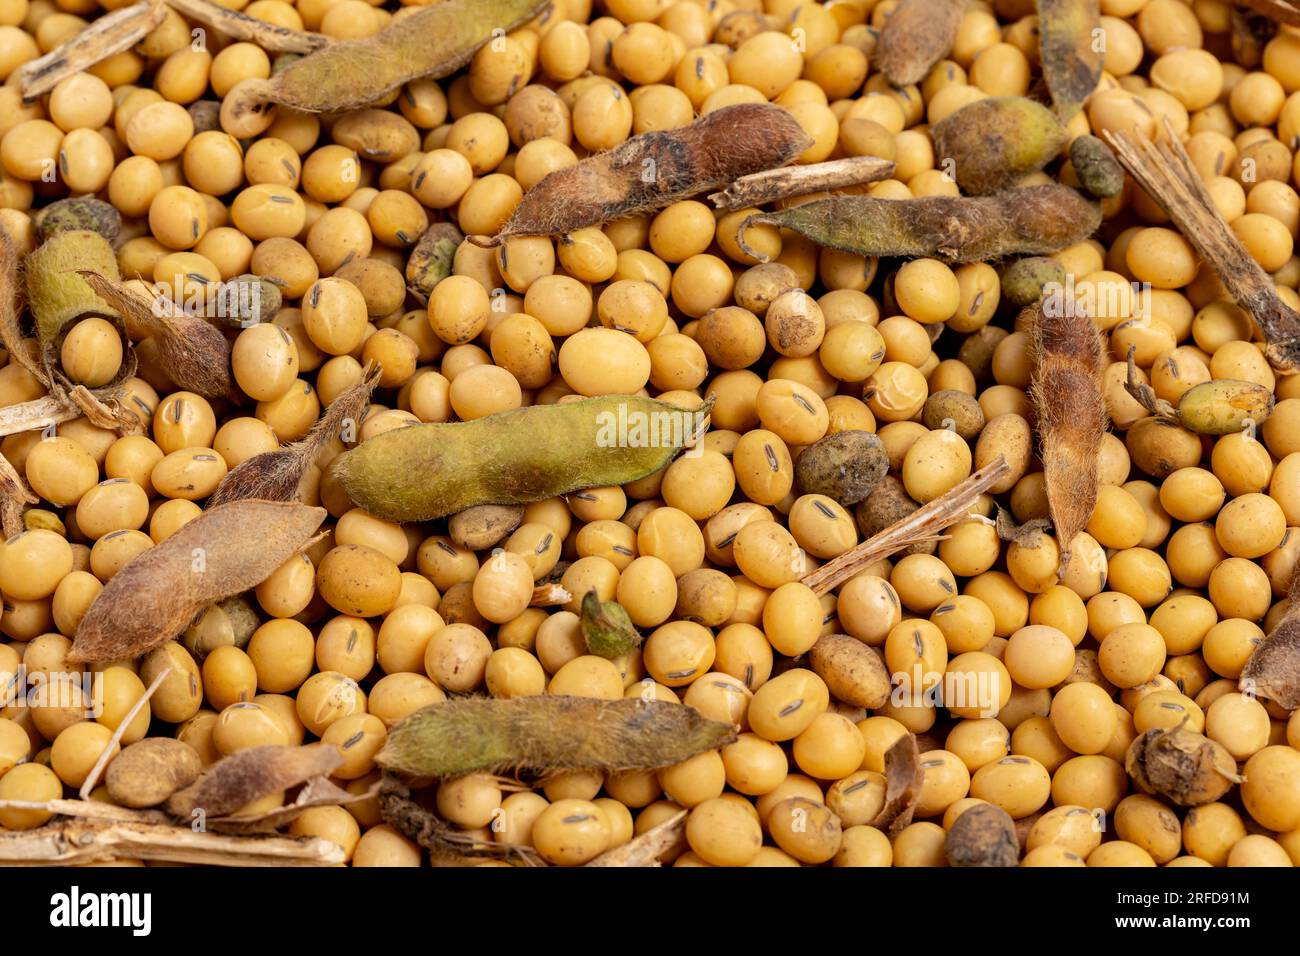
x: 1035, y: 220
x: 347, y: 74
x: 994, y: 142
x: 548, y: 733
x: 423, y: 472
x: 1066, y: 392
x: 1068, y: 32
x: 656, y: 169
x: 917, y: 35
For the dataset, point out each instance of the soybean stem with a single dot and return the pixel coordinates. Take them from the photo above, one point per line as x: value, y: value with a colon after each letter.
x: 770, y: 185
x: 645, y: 849
x: 924, y: 524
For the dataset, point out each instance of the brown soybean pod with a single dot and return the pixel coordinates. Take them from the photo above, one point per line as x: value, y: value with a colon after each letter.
x: 423, y: 472
x: 656, y: 169
x: 224, y: 551
x: 433, y: 41
x: 917, y: 35
x: 1067, y: 32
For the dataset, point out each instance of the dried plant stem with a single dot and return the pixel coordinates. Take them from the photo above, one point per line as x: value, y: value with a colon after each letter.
x: 550, y: 595
x: 446, y: 845
x: 107, y: 754
x: 924, y: 524
x: 240, y: 26
x: 1278, y: 10
x: 645, y: 849
x: 88, y: 810
x: 74, y: 841
x: 34, y: 415
x: 1166, y: 173
x: 110, y: 34
x: 1144, y: 394
x: 770, y: 185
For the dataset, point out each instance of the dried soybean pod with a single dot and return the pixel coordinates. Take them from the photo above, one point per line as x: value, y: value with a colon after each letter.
x: 194, y: 352
x: 277, y: 475
x: 1068, y: 33
x: 432, y: 258
x: 112, y: 33
x: 225, y: 551
x: 1180, y: 765
x: 80, y: 212
x: 432, y: 41
x: 1273, y: 670
x: 59, y: 296
x: 994, y: 142
x: 548, y: 734
x: 607, y: 628
x: 1098, y: 170
x: 853, y: 672
x: 984, y: 835
x: 1067, y: 396
x: 148, y: 772
x: 251, y: 774
x: 423, y: 472
x: 1034, y: 220
x: 240, y: 26
x: 655, y: 169
x: 917, y: 35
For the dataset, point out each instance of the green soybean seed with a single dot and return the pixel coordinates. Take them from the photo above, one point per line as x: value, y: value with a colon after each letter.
x: 423, y: 472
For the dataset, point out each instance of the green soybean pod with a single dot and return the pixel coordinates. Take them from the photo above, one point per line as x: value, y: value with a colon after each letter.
x: 422, y: 472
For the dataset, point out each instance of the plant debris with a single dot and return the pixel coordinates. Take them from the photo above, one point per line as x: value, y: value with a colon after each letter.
x: 1165, y: 171
x: 1070, y: 54
x: 432, y: 258
x: 917, y: 35
x: 240, y: 26
x: 924, y: 524
x: 1095, y: 165
x: 1273, y: 669
x: 277, y: 475
x: 447, y: 846
x: 656, y: 169
x: 1071, y: 412
x: 903, y: 776
x: 428, y: 471
x: 547, y: 734
x: 1034, y: 220
x: 194, y: 352
x: 646, y: 849
x: 432, y: 41
x: 224, y: 551
x: 1222, y: 406
x: 234, y: 782
x: 772, y: 185
x: 110, y: 34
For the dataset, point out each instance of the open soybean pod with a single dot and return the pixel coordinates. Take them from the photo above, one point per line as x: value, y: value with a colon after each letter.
x: 423, y: 472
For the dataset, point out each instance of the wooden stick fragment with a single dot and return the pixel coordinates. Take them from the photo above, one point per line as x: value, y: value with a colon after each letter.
x: 924, y: 524
x: 110, y: 34
x: 770, y: 185
x: 106, y: 754
x: 240, y: 26
x: 646, y: 849
x: 13, y: 495
x: 1165, y: 171
x: 71, y: 841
